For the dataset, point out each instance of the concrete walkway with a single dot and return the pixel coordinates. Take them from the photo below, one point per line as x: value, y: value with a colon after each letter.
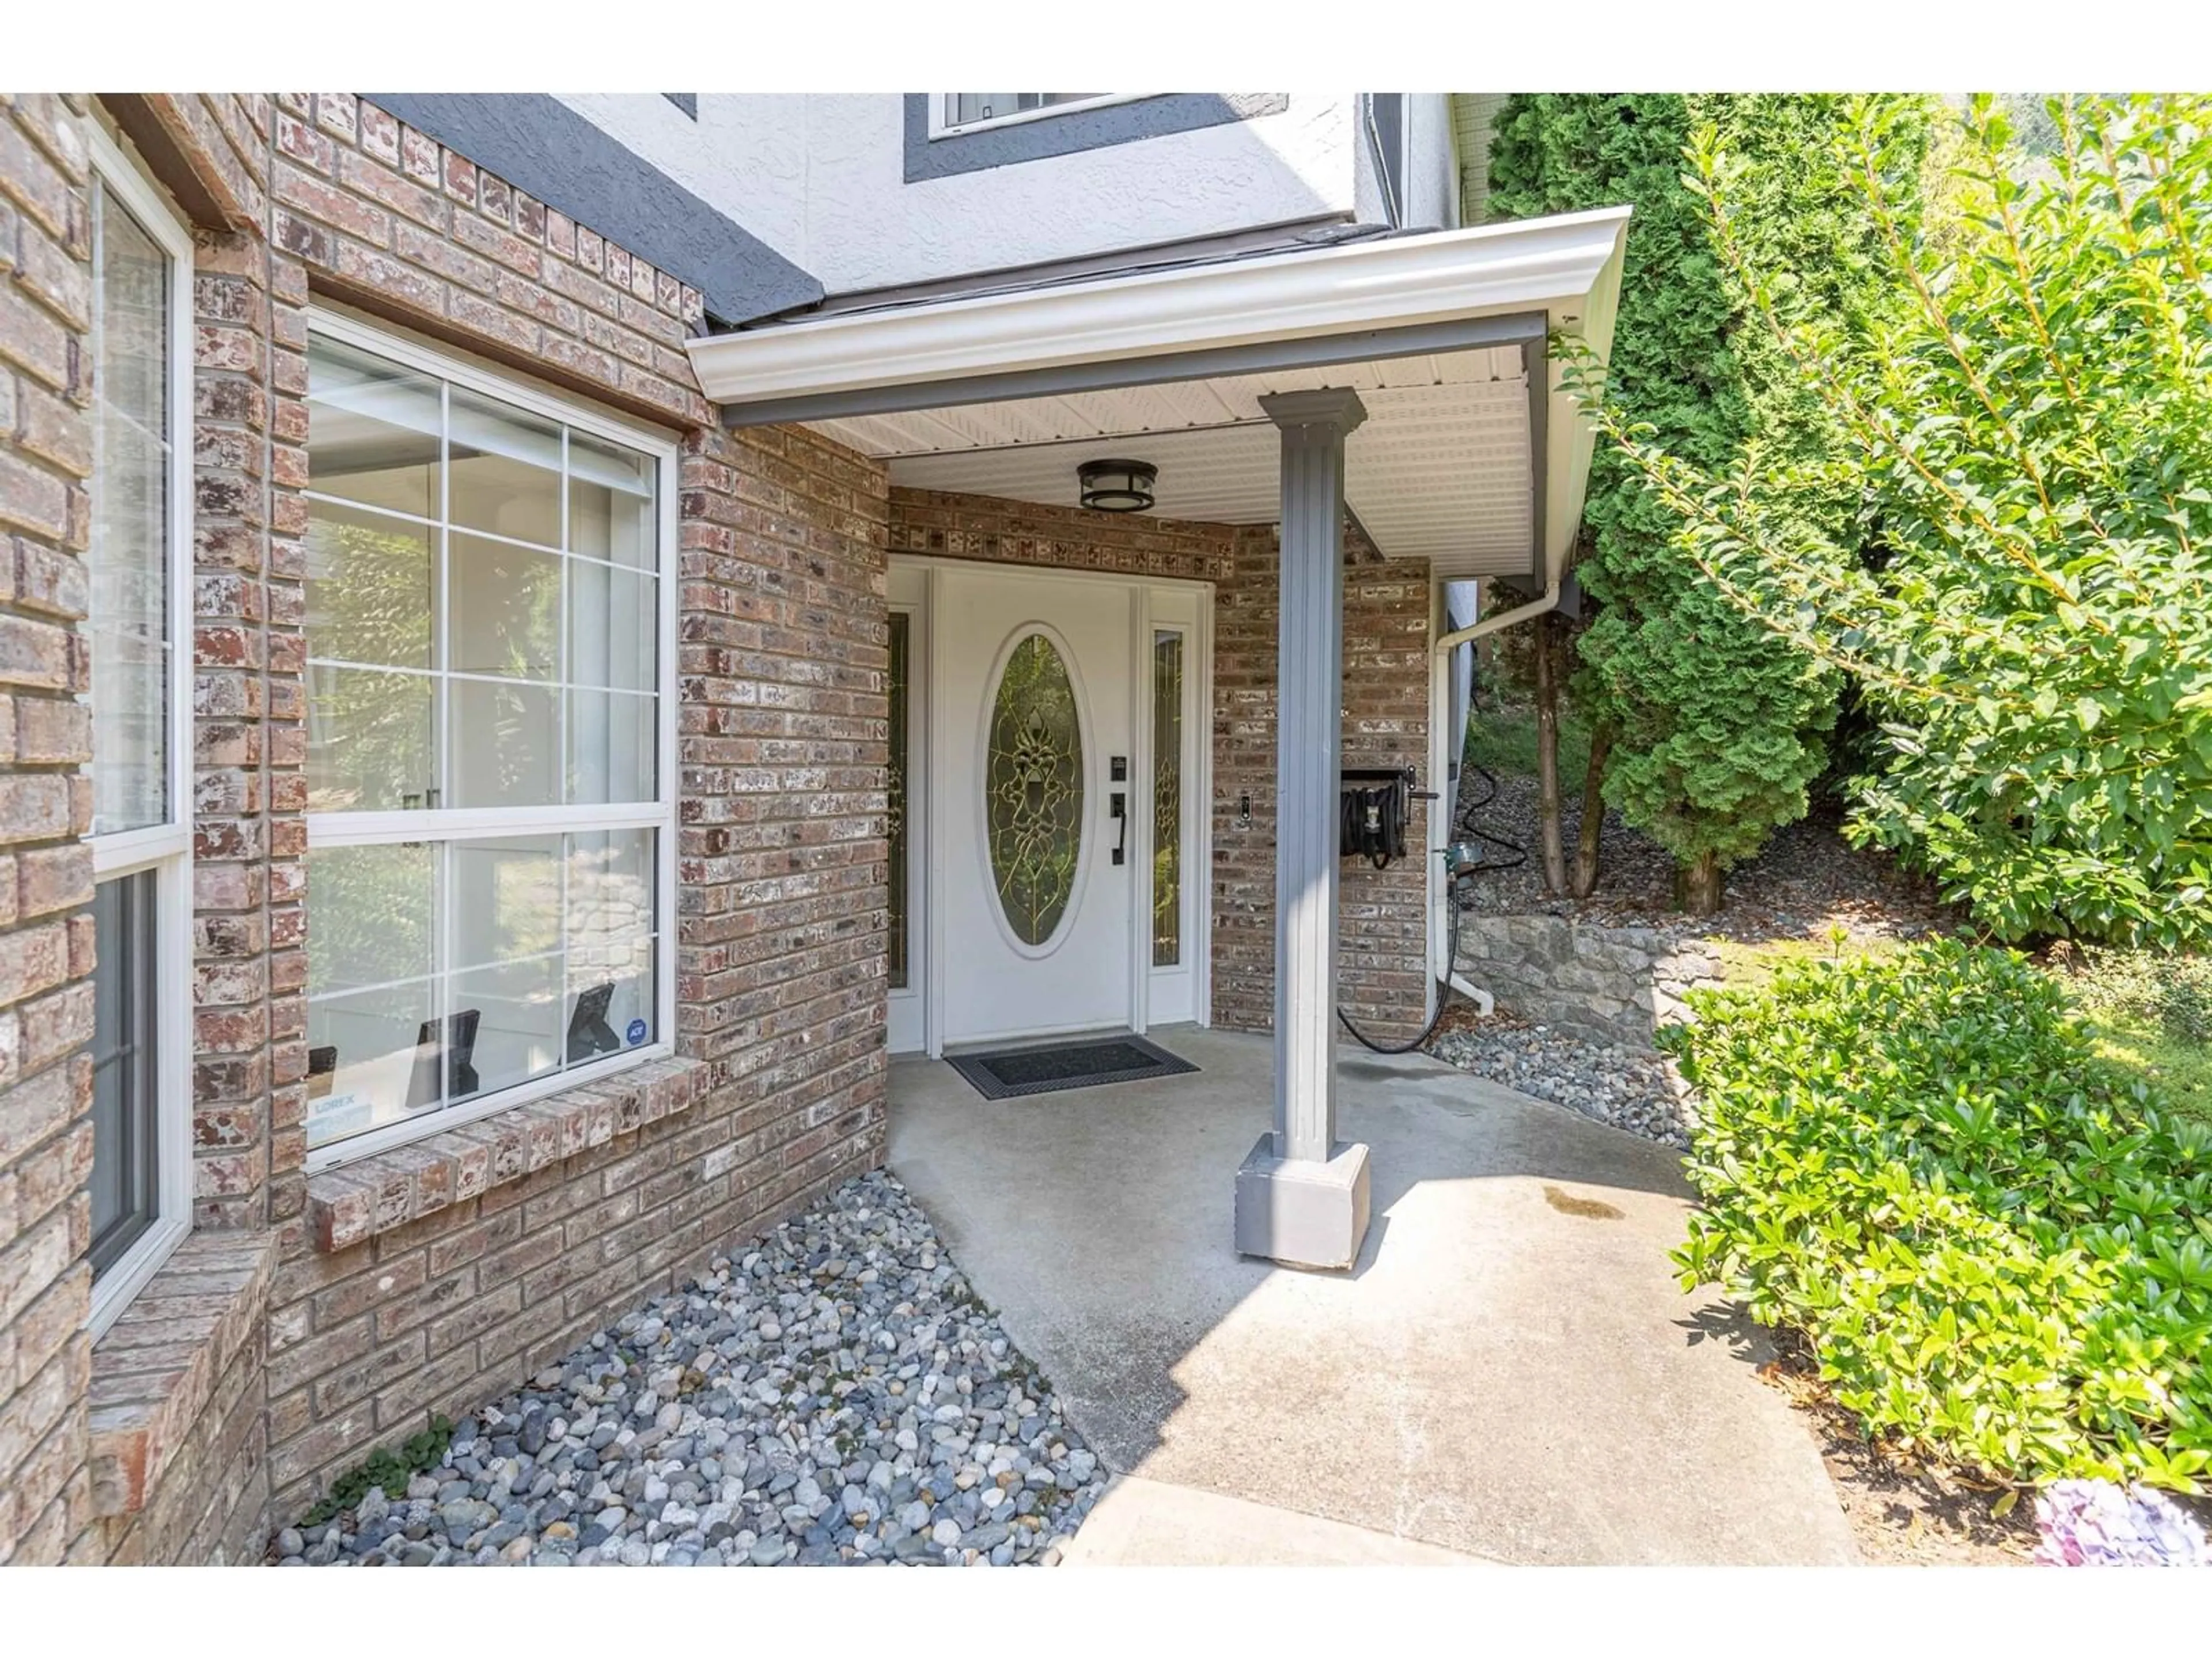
x: 1511, y: 1372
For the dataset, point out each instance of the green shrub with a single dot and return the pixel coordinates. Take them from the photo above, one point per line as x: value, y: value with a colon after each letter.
x: 386, y: 1469
x: 2000, y: 1248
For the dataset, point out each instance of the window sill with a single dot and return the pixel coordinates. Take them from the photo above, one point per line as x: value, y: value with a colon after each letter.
x: 352, y: 1204
x: 159, y: 1365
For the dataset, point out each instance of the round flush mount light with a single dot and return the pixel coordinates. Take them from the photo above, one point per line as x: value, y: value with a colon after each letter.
x: 1118, y: 486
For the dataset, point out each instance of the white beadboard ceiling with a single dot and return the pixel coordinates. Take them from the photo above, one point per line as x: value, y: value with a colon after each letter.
x: 1438, y: 471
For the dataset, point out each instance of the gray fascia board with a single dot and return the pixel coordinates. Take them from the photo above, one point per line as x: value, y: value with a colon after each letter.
x: 1313, y: 351
x: 539, y: 145
x: 1071, y: 131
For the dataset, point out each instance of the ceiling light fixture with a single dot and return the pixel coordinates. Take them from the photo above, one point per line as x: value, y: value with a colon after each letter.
x: 1118, y: 486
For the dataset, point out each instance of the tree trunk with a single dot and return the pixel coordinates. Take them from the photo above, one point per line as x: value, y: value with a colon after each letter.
x: 1547, y: 757
x: 1592, y: 822
x: 1697, y: 884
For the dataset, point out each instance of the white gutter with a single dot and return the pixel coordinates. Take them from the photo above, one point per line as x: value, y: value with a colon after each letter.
x: 1558, y: 265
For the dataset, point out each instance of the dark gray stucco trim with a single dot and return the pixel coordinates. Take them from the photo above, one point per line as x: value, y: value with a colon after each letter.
x: 539, y: 145
x: 1523, y: 329
x: 1072, y: 130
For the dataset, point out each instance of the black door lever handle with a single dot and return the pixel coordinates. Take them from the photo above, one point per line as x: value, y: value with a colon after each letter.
x: 1118, y: 805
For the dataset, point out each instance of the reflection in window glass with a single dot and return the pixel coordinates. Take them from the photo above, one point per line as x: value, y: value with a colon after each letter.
x: 376, y: 432
x: 968, y: 106
x: 129, y: 557
x: 370, y: 743
x: 614, y: 625
x: 613, y: 743
x: 372, y: 584
x: 505, y: 470
x: 612, y: 504
x: 506, y: 739
x: 506, y: 604
x: 1167, y: 798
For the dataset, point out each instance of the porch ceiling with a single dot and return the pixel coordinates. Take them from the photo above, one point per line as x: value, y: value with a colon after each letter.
x: 1439, y: 471
x: 1462, y: 461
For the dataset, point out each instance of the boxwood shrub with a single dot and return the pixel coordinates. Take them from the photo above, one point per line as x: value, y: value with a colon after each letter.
x: 1999, y: 1247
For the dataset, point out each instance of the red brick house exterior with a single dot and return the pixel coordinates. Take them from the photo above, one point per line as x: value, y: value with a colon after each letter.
x: 307, y: 1320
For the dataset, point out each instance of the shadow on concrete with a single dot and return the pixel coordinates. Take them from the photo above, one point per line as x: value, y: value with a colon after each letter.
x: 1504, y: 1371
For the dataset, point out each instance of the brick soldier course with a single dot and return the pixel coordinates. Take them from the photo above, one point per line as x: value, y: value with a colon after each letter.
x: 310, y: 1319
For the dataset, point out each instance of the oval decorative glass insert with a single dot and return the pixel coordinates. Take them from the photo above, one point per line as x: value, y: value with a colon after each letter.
x: 1033, y: 790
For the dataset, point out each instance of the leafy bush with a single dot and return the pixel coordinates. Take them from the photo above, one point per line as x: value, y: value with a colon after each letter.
x: 2031, y: 427
x: 2000, y: 1249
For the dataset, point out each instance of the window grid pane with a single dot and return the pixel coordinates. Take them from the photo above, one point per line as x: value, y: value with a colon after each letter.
x: 125, y: 1070
x: 526, y: 570
x: 442, y: 972
x: 521, y: 583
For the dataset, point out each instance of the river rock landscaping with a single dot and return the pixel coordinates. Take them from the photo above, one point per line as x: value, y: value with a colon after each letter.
x: 834, y: 1394
x: 1627, y: 1089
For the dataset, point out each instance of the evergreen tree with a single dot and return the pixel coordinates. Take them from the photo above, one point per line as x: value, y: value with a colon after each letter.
x: 1711, y: 727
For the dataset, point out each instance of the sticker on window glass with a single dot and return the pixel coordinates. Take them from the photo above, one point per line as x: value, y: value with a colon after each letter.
x: 635, y: 1033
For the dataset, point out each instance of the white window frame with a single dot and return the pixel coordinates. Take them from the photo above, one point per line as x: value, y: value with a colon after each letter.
x: 166, y: 848
x: 444, y: 824
x: 943, y: 105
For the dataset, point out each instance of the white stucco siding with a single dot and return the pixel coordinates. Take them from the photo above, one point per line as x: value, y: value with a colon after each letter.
x: 821, y: 178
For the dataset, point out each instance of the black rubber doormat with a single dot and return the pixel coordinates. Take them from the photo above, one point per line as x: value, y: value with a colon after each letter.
x: 1005, y: 1074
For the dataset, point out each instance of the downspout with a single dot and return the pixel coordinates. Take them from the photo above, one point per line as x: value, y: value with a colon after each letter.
x: 1484, y: 1003
x: 1536, y: 607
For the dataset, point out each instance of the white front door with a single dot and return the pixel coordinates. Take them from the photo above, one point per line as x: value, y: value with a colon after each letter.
x: 1033, y: 796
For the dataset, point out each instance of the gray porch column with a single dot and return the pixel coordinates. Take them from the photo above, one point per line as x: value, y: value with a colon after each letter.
x: 1301, y: 1193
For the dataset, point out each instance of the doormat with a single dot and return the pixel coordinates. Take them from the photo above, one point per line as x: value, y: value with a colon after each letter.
x: 1005, y: 1073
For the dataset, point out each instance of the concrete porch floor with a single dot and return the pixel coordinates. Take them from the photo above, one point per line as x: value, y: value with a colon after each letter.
x: 1511, y: 1372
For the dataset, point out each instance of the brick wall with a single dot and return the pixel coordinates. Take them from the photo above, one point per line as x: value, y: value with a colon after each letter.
x: 434, y: 1278
x: 1382, y: 955
x: 46, y: 872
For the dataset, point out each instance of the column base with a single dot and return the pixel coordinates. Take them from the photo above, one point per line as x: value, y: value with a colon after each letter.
x: 1301, y: 1212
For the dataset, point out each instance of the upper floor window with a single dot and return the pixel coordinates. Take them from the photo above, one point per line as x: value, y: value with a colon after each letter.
x: 137, y: 560
x: 960, y: 112
x: 490, y: 742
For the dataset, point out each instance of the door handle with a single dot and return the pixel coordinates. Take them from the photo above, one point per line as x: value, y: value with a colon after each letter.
x: 1119, y: 808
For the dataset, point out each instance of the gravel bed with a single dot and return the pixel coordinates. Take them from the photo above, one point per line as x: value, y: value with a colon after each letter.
x: 836, y: 1393
x: 1625, y: 1088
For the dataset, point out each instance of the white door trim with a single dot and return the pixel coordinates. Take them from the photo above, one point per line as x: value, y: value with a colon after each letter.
x: 1182, y: 602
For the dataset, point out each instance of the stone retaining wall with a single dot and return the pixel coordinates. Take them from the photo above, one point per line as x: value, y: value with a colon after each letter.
x: 1614, y: 985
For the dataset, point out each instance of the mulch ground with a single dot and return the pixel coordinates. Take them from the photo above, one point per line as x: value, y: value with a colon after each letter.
x: 1806, y: 880
x: 1904, y: 1514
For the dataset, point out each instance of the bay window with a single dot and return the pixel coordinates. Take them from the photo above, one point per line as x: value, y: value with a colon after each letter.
x: 138, y: 558
x: 490, y: 742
